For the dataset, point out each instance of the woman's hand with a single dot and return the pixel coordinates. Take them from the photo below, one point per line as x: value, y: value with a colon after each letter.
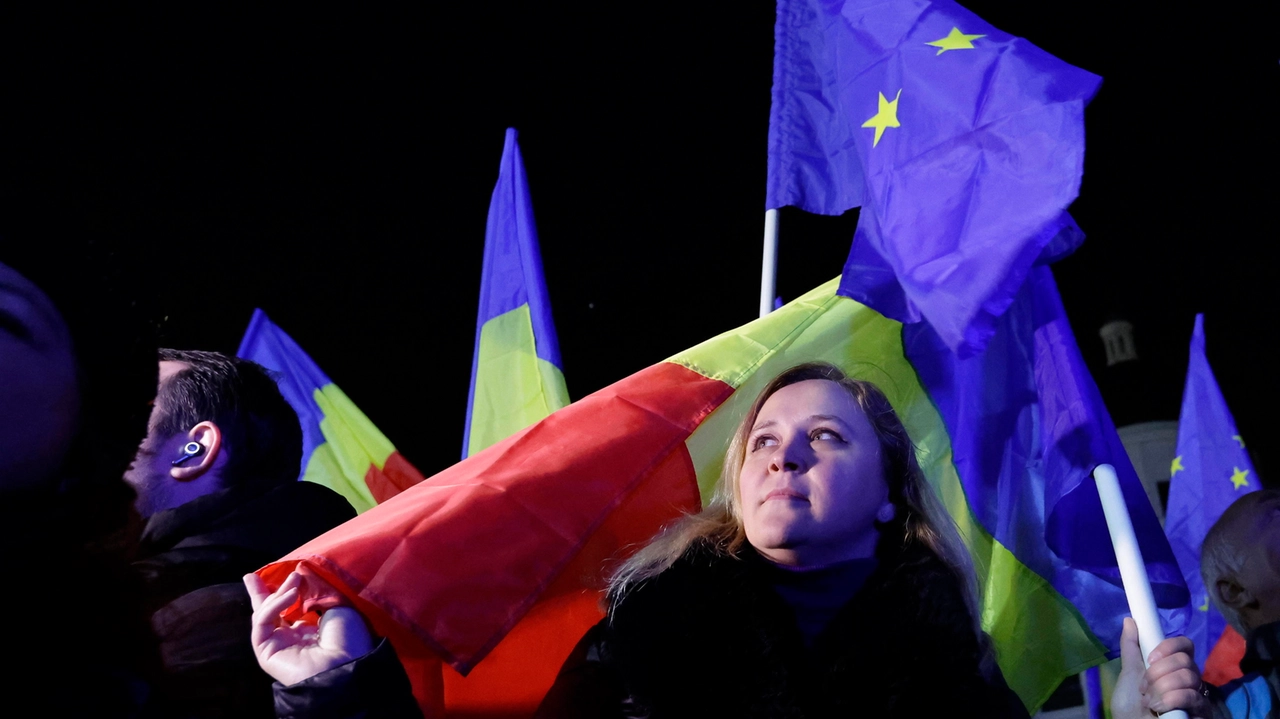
x: 1171, y: 682
x: 292, y: 653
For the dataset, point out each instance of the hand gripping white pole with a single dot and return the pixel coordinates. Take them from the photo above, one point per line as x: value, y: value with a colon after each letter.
x: 1133, y: 572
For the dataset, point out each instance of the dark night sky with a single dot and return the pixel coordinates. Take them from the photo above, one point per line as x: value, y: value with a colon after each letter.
x: 334, y: 168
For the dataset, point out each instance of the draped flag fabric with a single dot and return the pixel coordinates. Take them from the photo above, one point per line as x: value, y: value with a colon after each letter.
x: 1211, y: 470
x: 963, y: 145
x: 485, y: 575
x: 341, y: 448
x: 516, y: 373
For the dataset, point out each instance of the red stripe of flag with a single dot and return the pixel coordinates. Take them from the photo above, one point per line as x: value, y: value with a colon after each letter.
x: 489, y: 538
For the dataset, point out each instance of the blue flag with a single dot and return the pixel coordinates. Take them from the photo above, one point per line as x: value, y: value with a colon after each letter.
x: 963, y: 145
x: 516, y: 374
x: 1027, y: 427
x: 1211, y: 470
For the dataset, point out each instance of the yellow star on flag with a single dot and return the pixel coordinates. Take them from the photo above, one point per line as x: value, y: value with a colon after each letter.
x: 1204, y: 607
x: 1176, y: 466
x: 955, y: 40
x: 1239, y: 439
x: 886, y: 116
x: 1240, y: 478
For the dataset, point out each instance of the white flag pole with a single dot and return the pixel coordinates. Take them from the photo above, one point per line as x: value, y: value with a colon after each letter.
x: 769, y: 269
x: 1133, y: 572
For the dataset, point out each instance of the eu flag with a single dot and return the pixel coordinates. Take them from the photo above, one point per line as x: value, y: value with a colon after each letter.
x: 1210, y: 471
x: 516, y: 374
x: 963, y: 145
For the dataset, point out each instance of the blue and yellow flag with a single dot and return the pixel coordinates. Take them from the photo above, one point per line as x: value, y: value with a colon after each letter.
x: 341, y: 448
x: 1211, y: 470
x: 963, y: 145
x: 516, y: 375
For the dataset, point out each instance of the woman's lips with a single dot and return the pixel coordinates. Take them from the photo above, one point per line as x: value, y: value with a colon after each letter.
x: 786, y: 494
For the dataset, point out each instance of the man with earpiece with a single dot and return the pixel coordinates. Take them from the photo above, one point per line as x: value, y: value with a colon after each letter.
x: 217, y: 487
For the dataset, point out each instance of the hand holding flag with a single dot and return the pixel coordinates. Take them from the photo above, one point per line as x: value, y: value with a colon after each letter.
x: 1167, y: 681
x: 296, y: 651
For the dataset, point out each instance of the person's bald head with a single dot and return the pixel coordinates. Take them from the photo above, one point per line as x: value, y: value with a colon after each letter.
x: 1240, y: 561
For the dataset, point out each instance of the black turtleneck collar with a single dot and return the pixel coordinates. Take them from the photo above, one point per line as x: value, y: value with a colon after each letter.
x: 816, y: 595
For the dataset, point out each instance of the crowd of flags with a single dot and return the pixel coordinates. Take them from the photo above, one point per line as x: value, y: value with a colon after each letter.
x: 963, y: 146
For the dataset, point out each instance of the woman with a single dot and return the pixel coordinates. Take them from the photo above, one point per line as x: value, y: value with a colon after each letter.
x: 824, y: 570
x: 824, y: 579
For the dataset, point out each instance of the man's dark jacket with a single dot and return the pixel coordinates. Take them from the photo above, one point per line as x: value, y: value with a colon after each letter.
x: 191, y: 561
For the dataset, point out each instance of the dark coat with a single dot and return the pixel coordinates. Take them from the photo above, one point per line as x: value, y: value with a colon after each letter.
x: 191, y: 560
x: 1256, y: 694
x: 78, y: 638
x: 371, y: 687
x: 709, y: 637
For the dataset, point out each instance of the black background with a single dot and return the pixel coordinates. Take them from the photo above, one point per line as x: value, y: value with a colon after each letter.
x: 334, y: 167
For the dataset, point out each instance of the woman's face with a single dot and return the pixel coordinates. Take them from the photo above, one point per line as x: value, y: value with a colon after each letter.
x: 813, y: 479
x: 39, y: 397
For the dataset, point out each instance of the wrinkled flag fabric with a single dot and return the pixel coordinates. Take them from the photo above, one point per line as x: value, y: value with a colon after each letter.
x: 963, y: 145
x: 486, y: 575
x: 341, y: 448
x: 516, y: 374
x: 1211, y: 470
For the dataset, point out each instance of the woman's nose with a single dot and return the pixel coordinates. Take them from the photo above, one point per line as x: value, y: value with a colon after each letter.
x: 789, y: 456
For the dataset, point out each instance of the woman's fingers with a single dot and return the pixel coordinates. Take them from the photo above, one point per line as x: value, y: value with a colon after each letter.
x: 266, y: 613
x: 1171, y: 664
x: 1171, y: 646
x: 257, y: 588
x: 1188, y: 700
x: 1173, y: 681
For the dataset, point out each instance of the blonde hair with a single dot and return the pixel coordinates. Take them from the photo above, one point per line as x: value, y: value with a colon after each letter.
x: 920, y: 520
x: 1220, y: 557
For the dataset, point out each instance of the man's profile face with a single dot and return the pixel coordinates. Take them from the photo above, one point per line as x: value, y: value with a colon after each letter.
x: 149, y: 473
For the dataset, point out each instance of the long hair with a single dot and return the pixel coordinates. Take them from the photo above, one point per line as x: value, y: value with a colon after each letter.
x: 920, y: 520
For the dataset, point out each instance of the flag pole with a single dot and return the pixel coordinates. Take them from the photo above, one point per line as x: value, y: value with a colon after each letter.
x: 769, y: 268
x: 1133, y: 572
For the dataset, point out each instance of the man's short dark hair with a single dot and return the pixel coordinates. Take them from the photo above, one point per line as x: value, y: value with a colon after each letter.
x: 260, y: 431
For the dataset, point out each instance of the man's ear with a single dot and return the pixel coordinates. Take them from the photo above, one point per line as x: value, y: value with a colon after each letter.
x: 208, y: 436
x: 1233, y: 595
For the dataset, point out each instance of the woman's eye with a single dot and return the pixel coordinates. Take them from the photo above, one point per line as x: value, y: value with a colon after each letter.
x: 825, y: 434
x: 762, y: 442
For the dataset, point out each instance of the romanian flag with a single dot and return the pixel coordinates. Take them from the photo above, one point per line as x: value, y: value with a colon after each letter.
x: 341, y: 448
x: 1211, y: 470
x: 486, y: 575
x: 516, y: 373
